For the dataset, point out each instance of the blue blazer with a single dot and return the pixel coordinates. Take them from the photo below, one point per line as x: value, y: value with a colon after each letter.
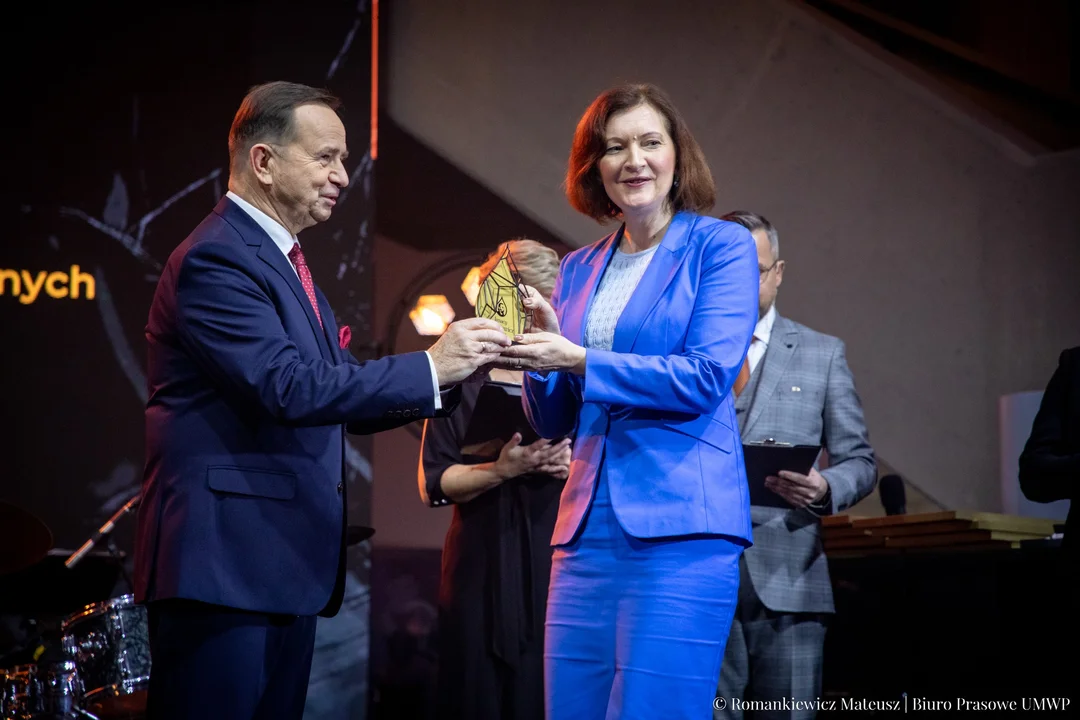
x: 655, y: 415
x: 244, y: 486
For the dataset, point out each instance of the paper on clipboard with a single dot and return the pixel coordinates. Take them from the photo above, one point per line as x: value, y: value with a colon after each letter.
x: 764, y: 459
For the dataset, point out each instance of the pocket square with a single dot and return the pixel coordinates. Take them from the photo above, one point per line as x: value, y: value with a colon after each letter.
x: 344, y: 337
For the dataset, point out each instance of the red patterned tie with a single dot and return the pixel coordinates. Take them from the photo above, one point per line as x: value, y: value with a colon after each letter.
x: 297, y: 257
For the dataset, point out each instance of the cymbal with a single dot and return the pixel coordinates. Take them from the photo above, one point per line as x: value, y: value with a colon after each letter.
x: 357, y: 534
x: 24, y: 540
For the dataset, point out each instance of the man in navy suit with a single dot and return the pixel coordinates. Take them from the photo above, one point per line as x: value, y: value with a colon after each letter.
x: 240, y: 539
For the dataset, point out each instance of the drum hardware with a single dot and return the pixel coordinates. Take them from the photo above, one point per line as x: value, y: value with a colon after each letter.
x: 105, y: 532
x: 99, y: 664
x: 49, y: 691
x: 19, y: 696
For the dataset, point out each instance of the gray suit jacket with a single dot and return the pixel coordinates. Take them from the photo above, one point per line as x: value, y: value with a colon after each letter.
x: 802, y: 393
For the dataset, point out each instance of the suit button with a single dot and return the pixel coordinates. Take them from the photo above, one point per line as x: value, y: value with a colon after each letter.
x: 340, y: 488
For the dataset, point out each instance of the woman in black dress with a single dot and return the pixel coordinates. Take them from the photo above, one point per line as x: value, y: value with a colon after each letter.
x: 504, y: 484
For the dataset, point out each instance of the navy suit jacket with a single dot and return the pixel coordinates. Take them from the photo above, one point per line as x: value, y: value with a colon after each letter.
x: 244, y: 491
x: 654, y: 414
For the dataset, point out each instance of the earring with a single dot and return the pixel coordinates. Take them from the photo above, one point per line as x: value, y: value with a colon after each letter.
x: 675, y: 184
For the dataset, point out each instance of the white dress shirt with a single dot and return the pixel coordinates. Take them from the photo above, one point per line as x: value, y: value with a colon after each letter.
x: 760, y: 343
x: 277, y: 232
x: 285, y: 241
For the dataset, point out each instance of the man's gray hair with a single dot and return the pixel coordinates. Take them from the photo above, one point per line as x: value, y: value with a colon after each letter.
x: 753, y: 221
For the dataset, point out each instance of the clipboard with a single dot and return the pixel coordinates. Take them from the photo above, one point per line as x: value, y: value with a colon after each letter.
x: 769, y: 458
x: 499, y: 418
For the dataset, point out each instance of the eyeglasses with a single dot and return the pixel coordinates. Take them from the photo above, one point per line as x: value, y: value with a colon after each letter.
x: 765, y: 271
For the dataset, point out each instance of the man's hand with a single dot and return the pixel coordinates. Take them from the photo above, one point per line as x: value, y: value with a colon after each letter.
x: 465, y: 347
x: 543, y: 315
x: 541, y: 456
x: 544, y: 351
x: 799, y: 490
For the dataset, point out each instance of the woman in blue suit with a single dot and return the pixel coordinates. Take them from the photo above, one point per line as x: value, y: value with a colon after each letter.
x: 635, y: 359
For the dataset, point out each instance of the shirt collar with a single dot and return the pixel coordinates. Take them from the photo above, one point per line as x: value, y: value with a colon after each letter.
x: 273, y: 228
x: 763, y: 329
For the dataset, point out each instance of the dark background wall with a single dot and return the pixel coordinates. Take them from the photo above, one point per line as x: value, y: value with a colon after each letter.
x: 118, y: 116
x: 935, y: 235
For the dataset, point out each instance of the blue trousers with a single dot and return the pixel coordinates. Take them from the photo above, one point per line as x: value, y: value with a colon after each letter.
x: 215, y: 663
x: 636, y: 628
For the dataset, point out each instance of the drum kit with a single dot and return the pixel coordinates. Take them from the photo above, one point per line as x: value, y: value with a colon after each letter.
x: 98, y: 664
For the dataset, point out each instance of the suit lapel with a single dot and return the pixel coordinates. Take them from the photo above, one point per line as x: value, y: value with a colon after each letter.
x: 783, y: 341
x: 331, y: 334
x: 584, y: 280
x: 271, y: 254
x: 653, y: 282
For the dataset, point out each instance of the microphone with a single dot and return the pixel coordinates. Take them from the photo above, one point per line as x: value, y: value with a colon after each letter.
x: 102, y: 532
x: 893, y: 496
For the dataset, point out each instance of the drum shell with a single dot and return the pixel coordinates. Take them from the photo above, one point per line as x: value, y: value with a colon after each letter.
x: 109, y: 642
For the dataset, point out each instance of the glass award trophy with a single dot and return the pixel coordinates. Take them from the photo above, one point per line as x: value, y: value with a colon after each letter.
x: 500, y: 297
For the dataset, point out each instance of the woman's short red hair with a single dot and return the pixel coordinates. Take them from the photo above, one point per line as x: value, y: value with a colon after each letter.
x: 693, y: 188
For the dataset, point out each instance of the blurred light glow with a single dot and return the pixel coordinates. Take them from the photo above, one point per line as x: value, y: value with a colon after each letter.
x: 431, y: 315
x: 471, y: 286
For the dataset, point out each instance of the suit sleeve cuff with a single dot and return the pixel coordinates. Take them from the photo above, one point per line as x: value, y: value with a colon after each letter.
x: 434, y: 381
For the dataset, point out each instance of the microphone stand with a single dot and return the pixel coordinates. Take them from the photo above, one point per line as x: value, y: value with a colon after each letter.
x: 104, y: 532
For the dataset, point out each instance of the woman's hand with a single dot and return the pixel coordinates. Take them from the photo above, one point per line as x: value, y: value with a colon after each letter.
x: 560, y: 469
x: 544, y: 351
x: 541, y: 456
x: 543, y: 315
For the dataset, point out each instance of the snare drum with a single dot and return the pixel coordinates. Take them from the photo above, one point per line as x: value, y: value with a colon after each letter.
x: 110, y: 644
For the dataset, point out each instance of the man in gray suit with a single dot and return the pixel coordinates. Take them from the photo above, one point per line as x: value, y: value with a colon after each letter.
x: 795, y: 388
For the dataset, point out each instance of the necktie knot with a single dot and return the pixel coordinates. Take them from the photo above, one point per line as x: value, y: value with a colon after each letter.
x: 296, y: 255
